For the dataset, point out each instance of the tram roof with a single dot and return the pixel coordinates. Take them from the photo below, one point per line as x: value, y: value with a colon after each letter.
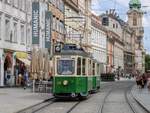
x: 74, y: 52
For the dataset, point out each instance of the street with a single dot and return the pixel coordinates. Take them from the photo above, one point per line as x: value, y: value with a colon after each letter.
x: 114, y: 97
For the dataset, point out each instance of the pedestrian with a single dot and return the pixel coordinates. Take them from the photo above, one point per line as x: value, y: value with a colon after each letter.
x: 26, y: 78
x: 148, y: 83
x: 137, y: 81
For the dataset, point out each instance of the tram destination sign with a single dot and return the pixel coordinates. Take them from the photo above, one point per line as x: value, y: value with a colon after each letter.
x: 35, y: 22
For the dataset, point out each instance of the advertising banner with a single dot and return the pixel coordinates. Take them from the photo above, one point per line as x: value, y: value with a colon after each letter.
x: 48, y: 29
x: 35, y: 23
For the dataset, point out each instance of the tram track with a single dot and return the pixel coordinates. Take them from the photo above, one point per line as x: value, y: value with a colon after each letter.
x: 101, y: 109
x: 128, y: 101
x: 37, y: 107
x: 73, y: 107
x: 134, y: 105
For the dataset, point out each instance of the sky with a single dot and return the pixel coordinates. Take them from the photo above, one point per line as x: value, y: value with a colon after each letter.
x: 121, y: 7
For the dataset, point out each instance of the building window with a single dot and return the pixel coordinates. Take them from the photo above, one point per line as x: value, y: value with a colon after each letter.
x: 29, y: 37
x: 54, y: 23
x: 116, y: 25
x: 15, y: 3
x: 134, y: 21
x: 15, y: 32
x: 79, y: 66
x: 22, y: 34
x: 83, y: 66
x: 8, y: 1
x: 113, y: 25
x: 28, y: 6
x: 0, y: 27
x: 7, y: 30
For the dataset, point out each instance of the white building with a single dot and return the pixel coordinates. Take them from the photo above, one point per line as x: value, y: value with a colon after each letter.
x: 15, y: 33
x: 99, y: 42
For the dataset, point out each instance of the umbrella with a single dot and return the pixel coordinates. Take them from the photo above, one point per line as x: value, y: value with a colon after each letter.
x: 33, y: 63
x: 40, y: 64
x: 46, y: 65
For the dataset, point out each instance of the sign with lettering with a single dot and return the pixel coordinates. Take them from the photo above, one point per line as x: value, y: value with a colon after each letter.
x: 35, y: 22
x: 48, y: 28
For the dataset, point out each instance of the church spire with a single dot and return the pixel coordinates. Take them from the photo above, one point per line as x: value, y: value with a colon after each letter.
x: 135, y: 4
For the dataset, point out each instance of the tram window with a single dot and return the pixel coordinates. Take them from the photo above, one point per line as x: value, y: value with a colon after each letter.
x: 83, y: 66
x: 65, y: 67
x: 98, y: 69
x: 79, y: 66
x: 89, y: 67
x: 93, y: 68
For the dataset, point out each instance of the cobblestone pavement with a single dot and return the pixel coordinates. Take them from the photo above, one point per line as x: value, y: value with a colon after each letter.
x: 14, y: 99
x: 115, y: 103
x: 142, y: 96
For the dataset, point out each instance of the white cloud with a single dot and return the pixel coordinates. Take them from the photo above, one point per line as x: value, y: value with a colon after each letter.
x: 146, y: 22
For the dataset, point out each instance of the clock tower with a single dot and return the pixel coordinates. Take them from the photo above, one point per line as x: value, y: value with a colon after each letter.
x: 135, y: 21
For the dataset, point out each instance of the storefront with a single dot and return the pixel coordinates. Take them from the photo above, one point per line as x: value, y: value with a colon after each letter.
x: 8, y: 68
x: 10, y: 61
x: 22, y: 64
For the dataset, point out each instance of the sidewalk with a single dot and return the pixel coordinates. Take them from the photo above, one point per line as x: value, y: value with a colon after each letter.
x: 142, y: 96
x: 15, y: 99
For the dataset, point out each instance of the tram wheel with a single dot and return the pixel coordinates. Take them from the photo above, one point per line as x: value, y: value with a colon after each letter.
x: 83, y: 95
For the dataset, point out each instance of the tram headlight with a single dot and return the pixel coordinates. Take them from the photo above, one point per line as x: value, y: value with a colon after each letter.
x: 65, y: 82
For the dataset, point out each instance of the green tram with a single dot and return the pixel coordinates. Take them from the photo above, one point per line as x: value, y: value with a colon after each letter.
x: 76, y: 74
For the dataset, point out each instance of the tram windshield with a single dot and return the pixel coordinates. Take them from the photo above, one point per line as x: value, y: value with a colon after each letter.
x: 65, y: 67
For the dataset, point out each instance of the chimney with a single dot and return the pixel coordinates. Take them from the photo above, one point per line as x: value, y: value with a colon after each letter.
x: 113, y: 12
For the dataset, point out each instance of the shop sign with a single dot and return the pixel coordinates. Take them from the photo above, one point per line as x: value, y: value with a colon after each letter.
x: 48, y: 29
x: 35, y: 23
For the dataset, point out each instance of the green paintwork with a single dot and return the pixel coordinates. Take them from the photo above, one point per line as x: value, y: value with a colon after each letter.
x: 135, y: 4
x: 98, y: 81
x: 76, y: 84
x: 94, y: 83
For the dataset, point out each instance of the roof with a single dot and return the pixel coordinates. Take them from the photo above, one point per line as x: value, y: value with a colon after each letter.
x: 135, y: 4
x: 72, y: 49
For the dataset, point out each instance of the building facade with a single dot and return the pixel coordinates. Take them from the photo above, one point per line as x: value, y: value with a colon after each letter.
x: 135, y: 19
x: 110, y: 53
x: 73, y: 22
x: 99, y: 42
x: 57, y: 8
x: 111, y: 23
x: 13, y: 36
x: 129, y: 49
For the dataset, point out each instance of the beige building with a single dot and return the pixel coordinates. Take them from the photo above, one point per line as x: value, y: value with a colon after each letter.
x: 129, y: 48
x: 111, y: 23
x: 73, y: 22
x: 78, y: 22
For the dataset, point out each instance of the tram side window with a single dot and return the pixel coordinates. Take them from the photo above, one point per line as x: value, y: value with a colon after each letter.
x: 98, y: 69
x: 83, y: 66
x: 89, y: 67
x: 79, y: 66
x: 93, y: 68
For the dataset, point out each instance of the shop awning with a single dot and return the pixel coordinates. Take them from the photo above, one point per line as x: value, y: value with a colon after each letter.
x: 26, y: 61
x: 23, y: 57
